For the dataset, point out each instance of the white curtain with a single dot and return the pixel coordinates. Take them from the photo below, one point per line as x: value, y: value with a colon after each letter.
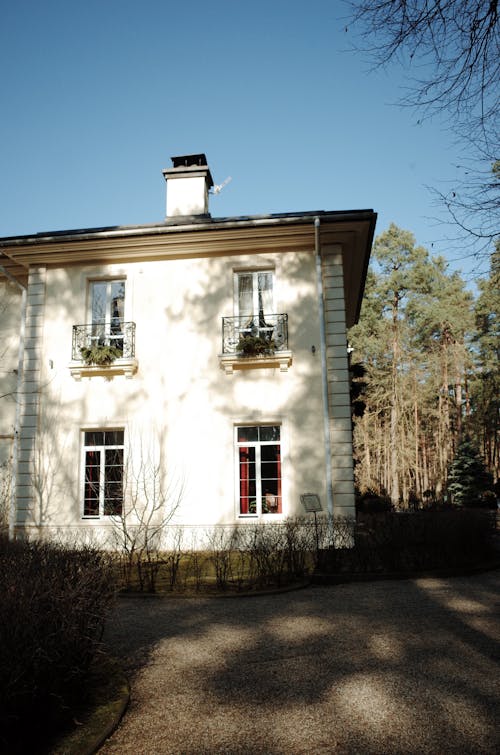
x: 245, y: 297
x: 265, y: 283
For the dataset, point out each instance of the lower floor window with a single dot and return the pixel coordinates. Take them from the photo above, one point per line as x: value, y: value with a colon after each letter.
x: 103, y: 473
x: 259, y: 469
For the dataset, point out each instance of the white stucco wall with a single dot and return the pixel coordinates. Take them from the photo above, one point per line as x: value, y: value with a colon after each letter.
x: 179, y: 400
x: 10, y: 316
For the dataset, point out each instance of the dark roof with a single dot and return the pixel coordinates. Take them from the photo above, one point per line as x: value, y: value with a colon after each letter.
x: 183, y: 222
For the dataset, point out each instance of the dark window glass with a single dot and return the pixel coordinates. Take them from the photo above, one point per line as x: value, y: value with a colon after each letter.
x: 113, y: 438
x: 247, y: 463
x: 114, y: 459
x: 112, y: 506
x: 248, y: 434
x: 269, y: 453
x: 269, y: 471
x: 269, y: 432
x: 91, y: 507
x: 94, y: 438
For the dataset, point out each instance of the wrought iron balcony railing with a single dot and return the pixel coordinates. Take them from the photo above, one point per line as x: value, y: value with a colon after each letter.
x: 264, y: 333
x: 120, y: 336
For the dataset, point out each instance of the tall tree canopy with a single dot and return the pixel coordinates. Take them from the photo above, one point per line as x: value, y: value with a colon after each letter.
x: 485, y: 383
x: 432, y: 371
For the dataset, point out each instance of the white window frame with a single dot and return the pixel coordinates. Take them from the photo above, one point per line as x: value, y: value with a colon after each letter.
x: 100, y: 449
x: 243, y: 328
x: 258, y: 444
x: 108, y: 281
x: 110, y: 339
x: 255, y: 289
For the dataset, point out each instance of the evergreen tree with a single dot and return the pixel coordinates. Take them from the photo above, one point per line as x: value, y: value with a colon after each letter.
x: 467, y: 477
x: 485, y: 385
x: 441, y: 322
x: 400, y: 263
x: 413, y: 338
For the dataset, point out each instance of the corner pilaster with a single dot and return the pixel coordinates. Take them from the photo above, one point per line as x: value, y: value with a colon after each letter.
x: 339, y: 400
x: 30, y: 395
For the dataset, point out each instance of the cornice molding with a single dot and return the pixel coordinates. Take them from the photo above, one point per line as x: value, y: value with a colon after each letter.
x: 196, y: 242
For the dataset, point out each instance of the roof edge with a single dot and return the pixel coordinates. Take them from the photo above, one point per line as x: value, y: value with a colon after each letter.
x: 188, y: 224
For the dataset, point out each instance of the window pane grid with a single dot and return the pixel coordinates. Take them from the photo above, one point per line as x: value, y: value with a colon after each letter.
x: 103, y: 473
x: 259, y: 469
x: 254, y: 292
x: 107, y: 310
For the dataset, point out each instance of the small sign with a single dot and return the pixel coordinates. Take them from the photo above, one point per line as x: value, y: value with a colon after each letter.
x: 311, y: 502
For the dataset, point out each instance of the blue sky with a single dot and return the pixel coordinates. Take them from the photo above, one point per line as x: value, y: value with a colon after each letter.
x: 96, y: 97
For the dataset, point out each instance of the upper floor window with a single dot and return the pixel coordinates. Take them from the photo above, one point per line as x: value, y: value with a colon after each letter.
x: 256, y: 335
x: 105, y: 342
x: 107, y: 311
x: 254, y: 295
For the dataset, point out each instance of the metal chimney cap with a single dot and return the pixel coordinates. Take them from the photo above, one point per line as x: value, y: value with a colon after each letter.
x: 186, y: 161
x: 190, y: 165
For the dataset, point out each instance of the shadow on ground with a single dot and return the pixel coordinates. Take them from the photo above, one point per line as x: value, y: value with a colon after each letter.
x: 407, y: 666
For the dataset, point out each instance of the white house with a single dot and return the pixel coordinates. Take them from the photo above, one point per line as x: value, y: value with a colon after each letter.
x: 206, y: 354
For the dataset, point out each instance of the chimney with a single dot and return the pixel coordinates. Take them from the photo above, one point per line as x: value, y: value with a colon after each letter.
x: 188, y: 183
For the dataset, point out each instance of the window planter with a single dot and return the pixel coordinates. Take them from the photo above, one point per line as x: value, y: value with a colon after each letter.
x: 100, y: 354
x: 101, y: 350
x: 262, y: 342
x: 254, y: 346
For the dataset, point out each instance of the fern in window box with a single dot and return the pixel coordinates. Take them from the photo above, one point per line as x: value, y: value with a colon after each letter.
x: 100, y: 354
x: 252, y: 346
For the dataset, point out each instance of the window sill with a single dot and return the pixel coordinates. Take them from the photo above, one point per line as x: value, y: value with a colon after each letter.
x: 101, y: 518
x: 278, y: 517
x: 231, y: 362
x: 127, y: 367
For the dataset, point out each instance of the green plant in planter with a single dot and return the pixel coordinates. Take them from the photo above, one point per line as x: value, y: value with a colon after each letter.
x: 252, y: 346
x: 100, y: 354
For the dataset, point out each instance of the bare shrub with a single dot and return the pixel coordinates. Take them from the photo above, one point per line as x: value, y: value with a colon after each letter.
x: 267, y: 551
x: 5, y: 493
x: 240, y: 563
x: 149, y: 506
x: 53, y: 606
x: 222, y: 543
x: 173, y: 557
x: 416, y: 540
x: 300, y: 538
x: 194, y: 568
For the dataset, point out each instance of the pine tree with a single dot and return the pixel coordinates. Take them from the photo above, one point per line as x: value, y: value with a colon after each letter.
x: 413, y: 338
x: 441, y: 318
x: 485, y: 386
x: 467, y: 477
x: 400, y: 262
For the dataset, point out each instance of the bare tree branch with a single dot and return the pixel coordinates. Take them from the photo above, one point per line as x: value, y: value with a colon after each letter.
x: 452, y: 50
x: 455, y: 42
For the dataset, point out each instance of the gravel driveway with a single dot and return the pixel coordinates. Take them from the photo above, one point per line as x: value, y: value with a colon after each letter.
x: 380, y: 667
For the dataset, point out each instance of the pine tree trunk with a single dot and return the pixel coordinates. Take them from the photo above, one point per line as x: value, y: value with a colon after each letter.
x: 445, y: 413
x: 458, y: 393
x: 425, y: 468
x: 394, y: 475
x: 418, y: 487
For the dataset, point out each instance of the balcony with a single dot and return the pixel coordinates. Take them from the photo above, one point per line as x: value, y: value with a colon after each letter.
x: 103, y: 349
x: 261, y: 341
